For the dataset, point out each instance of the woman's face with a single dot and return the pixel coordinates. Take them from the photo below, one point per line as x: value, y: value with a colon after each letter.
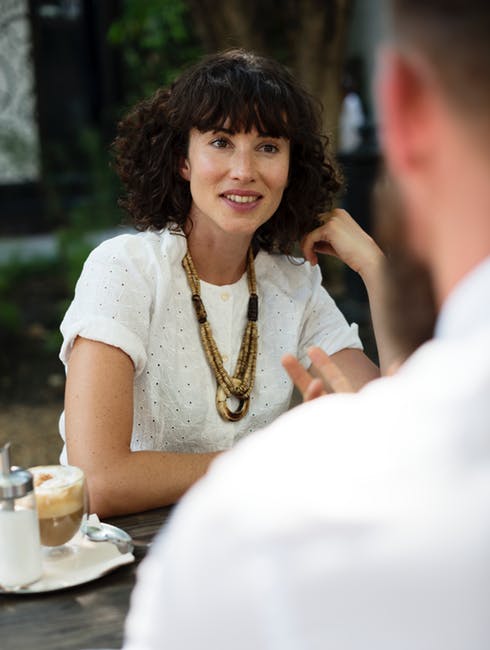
x: 236, y: 179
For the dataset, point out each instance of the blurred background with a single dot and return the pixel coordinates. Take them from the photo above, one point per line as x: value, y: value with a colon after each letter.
x: 68, y: 70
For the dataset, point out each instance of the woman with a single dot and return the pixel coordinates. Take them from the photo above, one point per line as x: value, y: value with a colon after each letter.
x: 174, y: 339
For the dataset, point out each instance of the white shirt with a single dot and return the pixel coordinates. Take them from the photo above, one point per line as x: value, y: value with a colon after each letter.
x: 133, y: 294
x: 355, y: 522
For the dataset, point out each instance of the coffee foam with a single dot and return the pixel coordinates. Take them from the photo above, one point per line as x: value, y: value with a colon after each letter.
x: 59, y: 490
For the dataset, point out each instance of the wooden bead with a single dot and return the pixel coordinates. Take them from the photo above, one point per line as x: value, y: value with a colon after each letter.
x: 253, y: 307
x: 199, y: 309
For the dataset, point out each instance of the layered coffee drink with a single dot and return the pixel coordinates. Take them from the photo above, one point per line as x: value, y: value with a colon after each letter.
x: 61, y: 502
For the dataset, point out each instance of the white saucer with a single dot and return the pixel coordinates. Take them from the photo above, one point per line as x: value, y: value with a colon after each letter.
x: 89, y: 561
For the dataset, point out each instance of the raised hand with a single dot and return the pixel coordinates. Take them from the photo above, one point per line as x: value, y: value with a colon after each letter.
x: 340, y: 236
x: 323, y: 377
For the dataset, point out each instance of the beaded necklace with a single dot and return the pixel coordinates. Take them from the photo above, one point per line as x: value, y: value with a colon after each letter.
x: 241, y: 383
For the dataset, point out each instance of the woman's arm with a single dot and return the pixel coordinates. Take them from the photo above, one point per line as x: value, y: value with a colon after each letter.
x: 342, y: 237
x: 99, y: 421
x: 354, y: 365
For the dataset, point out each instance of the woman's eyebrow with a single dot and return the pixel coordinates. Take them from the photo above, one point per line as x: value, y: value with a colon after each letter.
x: 261, y: 134
x: 222, y: 129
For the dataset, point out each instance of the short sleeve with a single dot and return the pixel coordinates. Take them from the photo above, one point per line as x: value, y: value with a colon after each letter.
x: 324, y: 325
x: 113, y: 299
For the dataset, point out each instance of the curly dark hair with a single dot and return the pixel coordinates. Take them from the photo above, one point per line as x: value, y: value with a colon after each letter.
x: 243, y: 91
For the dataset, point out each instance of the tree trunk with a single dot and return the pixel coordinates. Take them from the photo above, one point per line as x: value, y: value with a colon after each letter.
x: 307, y: 35
x: 222, y: 24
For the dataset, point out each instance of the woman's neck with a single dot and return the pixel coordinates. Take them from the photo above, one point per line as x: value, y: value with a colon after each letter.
x: 218, y: 258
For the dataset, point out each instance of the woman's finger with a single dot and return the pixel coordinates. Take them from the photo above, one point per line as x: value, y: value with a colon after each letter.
x: 324, y: 247
x: 300, y: 377
x: 332, y: 376
x: 308, y: 249
x: 314, y: 390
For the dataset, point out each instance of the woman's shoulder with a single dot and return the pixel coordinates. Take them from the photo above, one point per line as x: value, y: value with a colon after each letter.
x: 144, y: 248
x: 286, y: 272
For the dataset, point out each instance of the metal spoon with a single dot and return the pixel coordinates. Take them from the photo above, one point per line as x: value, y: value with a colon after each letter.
x: 102, y: 532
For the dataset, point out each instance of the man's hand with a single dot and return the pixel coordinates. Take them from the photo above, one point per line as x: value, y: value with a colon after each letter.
x: 322, y: 378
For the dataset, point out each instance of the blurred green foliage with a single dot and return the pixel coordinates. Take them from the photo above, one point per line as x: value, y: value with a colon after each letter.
x: 24, y: 283
x: 35, y: 291
x: 32, y: 301
x: 157, y: 39
x: 95, y: 209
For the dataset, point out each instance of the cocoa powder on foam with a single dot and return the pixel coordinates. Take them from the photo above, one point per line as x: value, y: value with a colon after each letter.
x: 59, y: 490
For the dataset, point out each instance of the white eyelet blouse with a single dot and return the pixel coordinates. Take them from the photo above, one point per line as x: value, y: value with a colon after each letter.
x: 133, y: 294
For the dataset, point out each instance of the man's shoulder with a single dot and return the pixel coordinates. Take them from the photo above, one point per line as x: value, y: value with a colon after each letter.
x: 335, y: 456
x: 337, y: 495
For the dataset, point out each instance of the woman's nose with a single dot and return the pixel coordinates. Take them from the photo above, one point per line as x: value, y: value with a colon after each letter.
x: 243, y: 167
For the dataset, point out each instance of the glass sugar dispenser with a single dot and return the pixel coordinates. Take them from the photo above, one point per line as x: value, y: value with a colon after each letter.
x: 20, y: 546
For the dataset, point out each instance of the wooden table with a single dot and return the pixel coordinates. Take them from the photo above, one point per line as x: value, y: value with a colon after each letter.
x: 87, y: 616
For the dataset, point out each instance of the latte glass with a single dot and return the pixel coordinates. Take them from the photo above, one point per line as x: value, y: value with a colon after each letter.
x: 62, y: 504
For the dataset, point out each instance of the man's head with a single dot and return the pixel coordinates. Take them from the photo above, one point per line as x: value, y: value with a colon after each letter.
x: 453, y: 35
x: 434, y: 90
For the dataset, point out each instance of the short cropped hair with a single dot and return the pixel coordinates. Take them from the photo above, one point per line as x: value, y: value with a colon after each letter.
x: 243, y: 91
x: 454, y: 35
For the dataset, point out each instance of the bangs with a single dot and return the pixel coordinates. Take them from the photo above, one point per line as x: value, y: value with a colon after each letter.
x: 241, y: 101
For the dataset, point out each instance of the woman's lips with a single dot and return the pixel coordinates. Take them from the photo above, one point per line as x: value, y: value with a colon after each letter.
x: 241, y: 200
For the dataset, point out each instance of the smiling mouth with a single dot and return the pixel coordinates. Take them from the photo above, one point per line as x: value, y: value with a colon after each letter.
x: 238, y: 198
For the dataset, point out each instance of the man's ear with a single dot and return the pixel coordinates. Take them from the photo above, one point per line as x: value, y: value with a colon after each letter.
x: 407, y: 109
x: 185, y: 169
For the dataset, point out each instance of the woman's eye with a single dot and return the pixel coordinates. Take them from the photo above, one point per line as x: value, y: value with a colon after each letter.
x: 270, y: 148
x: 219, y: 143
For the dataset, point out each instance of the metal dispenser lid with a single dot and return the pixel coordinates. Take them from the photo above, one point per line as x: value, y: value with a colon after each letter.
x: 13, y: 484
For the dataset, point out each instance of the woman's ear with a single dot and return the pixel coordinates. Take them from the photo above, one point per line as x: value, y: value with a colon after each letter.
x: 185, y: 169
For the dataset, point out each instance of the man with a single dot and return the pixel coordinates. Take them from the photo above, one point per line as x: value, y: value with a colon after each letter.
x: 363, y: 521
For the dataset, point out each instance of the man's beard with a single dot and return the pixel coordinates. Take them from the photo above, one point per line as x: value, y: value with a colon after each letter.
x: 410, y: 307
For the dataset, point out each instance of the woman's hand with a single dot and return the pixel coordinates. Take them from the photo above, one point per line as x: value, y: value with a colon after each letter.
x: 323, y: 377
x: 341, y: 237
